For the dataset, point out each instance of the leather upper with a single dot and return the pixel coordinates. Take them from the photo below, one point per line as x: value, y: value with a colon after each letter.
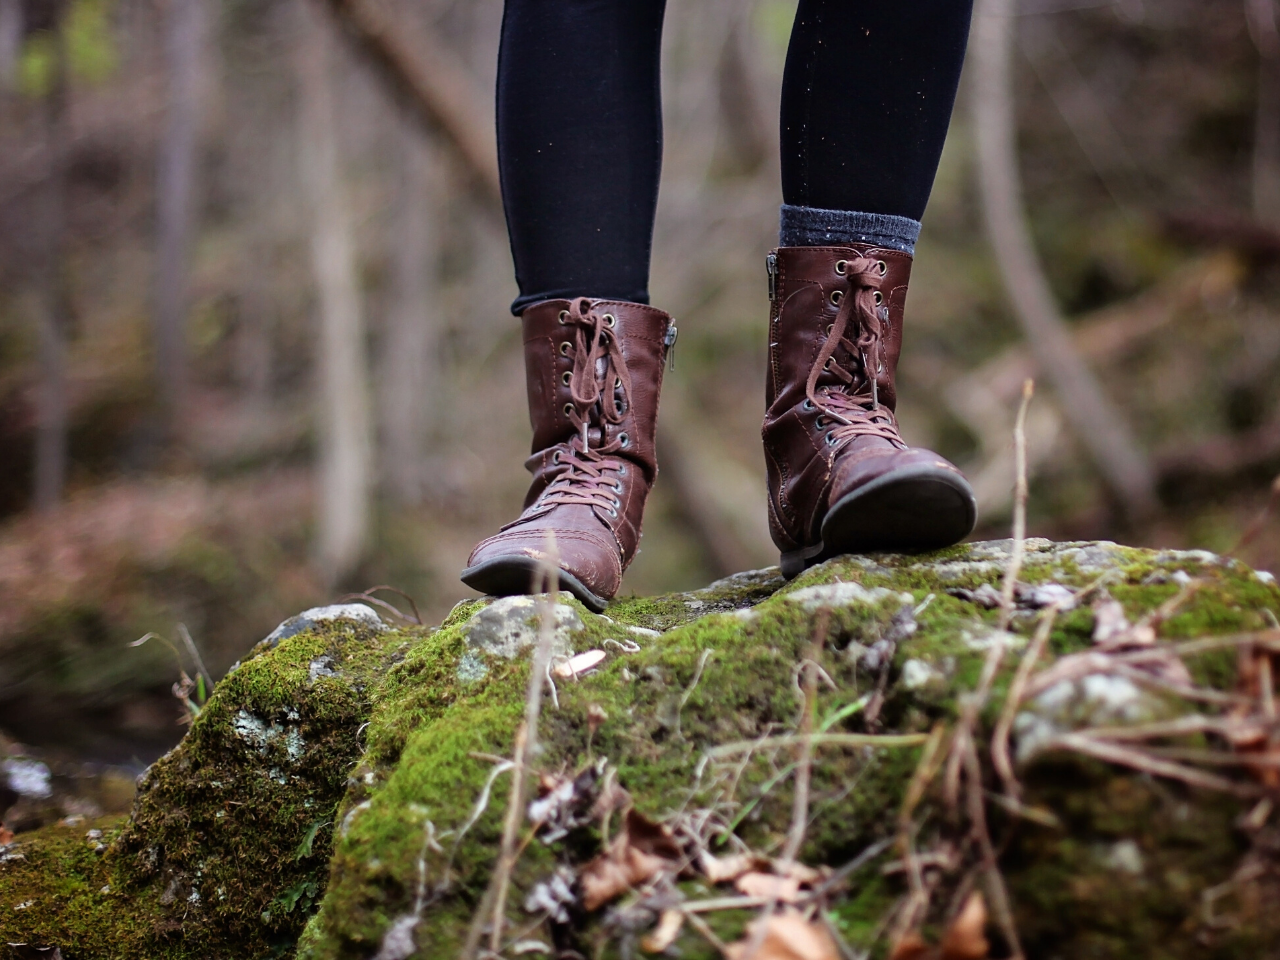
x: 828, y: 428
x: 610, y: 353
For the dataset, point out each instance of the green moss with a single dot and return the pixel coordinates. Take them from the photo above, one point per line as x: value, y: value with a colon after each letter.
x: 379, y: 810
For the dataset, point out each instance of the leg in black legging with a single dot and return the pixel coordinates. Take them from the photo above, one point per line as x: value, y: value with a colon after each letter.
x: 580, y: 145
x: 867, y: 96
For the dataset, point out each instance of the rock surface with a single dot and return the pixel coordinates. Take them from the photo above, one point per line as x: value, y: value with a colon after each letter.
x: 342, y: 793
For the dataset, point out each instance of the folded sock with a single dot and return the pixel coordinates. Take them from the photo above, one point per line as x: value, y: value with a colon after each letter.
x: 815, y: 227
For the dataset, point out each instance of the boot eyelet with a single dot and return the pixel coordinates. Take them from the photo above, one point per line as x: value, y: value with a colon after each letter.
x: 807, y: 405
x: 564, y: 316
x: 837, y: 296
x: 879, y: 297
x: 830, y: 327
x: 884, y: 267
x: 566, y: 378
x: 820, y: 422
x: 610, y: 320
x: 827, y: 365
x: 842, y: 267
x: 831, y: 439
x: 568, y: 409
x: 613, y: 514
x: 622, y: 470
x: 617, y: 383
x: 564, y: 349
x: 624, y: 440
x: 617, y: 486
x: 555, y: 457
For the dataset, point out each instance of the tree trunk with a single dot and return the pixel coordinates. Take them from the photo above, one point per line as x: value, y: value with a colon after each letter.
x: 1100, y: 427
x: 1261, y: 15
x: 53, y: 299
x: 10, y: 41
x: 345, y: 449
x: 175, y: 193
x: 408, y: 363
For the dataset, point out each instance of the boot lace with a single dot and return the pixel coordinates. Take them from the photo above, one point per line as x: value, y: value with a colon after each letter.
x: 600, y: 387
x: 859, y: 329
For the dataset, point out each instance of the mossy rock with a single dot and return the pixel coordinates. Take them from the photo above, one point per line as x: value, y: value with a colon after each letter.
x: 332, y: 791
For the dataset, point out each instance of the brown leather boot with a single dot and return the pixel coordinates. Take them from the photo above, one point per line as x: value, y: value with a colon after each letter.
x: 594, y: 371
x: 841, y: 479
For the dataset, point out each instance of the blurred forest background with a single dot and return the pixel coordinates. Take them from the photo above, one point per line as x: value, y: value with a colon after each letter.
x: 255, y: 350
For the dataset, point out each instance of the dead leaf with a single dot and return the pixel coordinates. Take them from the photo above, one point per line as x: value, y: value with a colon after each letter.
x: 965, y: 939
x: 664, y: 934
x: 640, y: 852
x: 784, y: 936
x: 6, y: 836
x: 782, y: 889
x: 725, y: 869
x: 912, y: 947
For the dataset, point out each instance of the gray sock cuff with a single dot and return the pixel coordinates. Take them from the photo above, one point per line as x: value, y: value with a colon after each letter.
x: 815, y: 227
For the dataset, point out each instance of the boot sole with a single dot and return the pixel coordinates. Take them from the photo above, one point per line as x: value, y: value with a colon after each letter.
x: 909, y: 511
x: 514, y: 576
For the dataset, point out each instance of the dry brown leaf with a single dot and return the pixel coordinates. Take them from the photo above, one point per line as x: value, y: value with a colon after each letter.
x: 785, y: 936
x: 641, y: 851
x: 724, y: 869
x: 664, y: 934
x: 782, y: 889
x: 798, y: 871
x: 965, y: 938
x: 6, y: 836
x: 912, y: 947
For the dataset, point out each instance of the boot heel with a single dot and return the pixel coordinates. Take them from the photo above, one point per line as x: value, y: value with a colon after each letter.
x: 795, y: 562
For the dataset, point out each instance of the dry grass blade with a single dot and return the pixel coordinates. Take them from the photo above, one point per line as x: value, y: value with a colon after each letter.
x: 494, y: 904
x: 1259, y: 522
x: 804, y: 769
x: 995, y: 881
x: 1140, y: 760
x: 818, y: 740
x: 918, y: 898
x: 1019, y: 545
x: 1004, y: 726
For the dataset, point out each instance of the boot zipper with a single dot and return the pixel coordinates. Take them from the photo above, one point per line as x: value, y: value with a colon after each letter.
x: 669, y: 341
x: 771, y: 268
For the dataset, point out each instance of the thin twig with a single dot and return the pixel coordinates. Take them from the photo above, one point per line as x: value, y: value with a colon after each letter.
x: 821, y: 739
x: 995, y: 881
x: 195, y: 654
x: 1138, y: 760
x: 1019, y: 546
x: 1259, y: 522
x: 1000, y: 739
x: 367, y: 595
x: 697, y: 676
x: 804, y: 771
x: 918, y: 896
x: 494, y: 904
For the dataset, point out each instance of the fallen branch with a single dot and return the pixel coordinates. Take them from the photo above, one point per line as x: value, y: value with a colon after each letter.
x: 424, y: 73
x: 1098, y: 424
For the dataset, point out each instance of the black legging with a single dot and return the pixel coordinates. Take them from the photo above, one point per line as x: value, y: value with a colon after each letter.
x: 866, y: 100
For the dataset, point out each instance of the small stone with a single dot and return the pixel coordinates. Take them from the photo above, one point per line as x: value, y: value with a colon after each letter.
x: 356, y: 612
x: 1266, y: 577
x: 507, y: 626
x: 917, y: 674
x: 321, y: 667
x: 1123, y: 856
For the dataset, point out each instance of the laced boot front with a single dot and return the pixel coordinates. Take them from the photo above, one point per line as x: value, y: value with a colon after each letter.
x: 594, y: 372
x: 841, y: 478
